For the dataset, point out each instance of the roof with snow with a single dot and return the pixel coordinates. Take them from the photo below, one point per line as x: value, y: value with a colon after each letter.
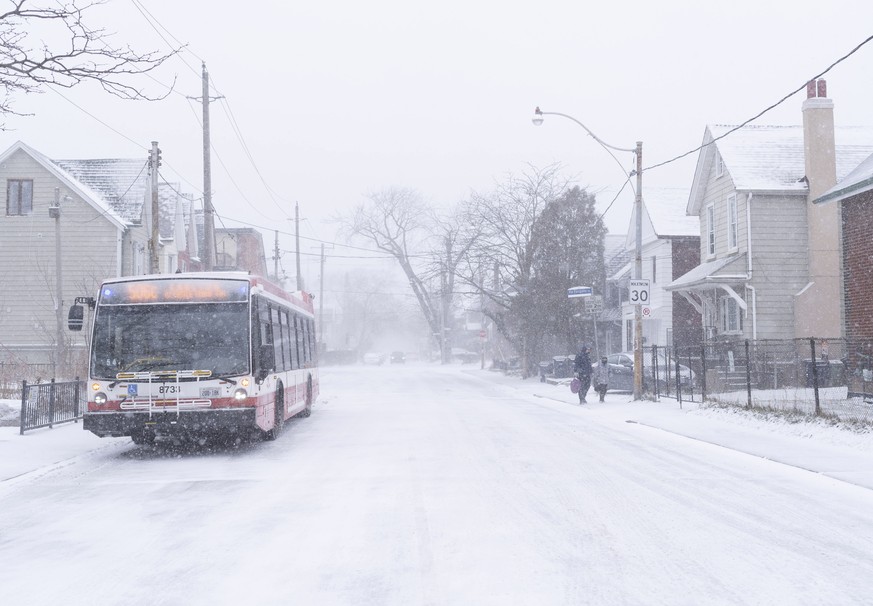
x: 761, y: 158
x: 706, y: 273
x: 664, y: 216
x: 121, y: 183
x: 666, y: 209
x: 859, y: 181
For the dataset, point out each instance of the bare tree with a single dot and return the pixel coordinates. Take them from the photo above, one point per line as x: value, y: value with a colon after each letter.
x: 54, y: 44
x: 506, y: 246
x: 427, y: 247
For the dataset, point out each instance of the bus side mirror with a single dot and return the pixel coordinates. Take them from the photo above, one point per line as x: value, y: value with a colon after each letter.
x: 265, y: 362
x: 76, y: 317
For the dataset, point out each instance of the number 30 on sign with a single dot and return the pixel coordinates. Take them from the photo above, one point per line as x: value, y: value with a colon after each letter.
x: 638, y: 292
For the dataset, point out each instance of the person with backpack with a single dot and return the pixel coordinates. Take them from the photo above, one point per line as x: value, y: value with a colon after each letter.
x: 582, y: 368
x: 601, y: 377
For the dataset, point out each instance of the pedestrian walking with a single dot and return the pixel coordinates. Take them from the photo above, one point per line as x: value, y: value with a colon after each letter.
x: 582, y: 368
x: 601, y: 377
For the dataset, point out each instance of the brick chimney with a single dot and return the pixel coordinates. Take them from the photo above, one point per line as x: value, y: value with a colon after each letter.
x: 818, y: 308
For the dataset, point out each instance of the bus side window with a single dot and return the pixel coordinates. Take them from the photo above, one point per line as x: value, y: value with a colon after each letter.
x: 286, y: 340
x: 313, y: 342
x: 265, y: 331
x: 277, y: 339
x: 306, y: 351
x: 298, y: 324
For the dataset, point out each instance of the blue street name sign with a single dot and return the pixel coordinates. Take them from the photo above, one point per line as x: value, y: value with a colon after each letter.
x: 579, y: 291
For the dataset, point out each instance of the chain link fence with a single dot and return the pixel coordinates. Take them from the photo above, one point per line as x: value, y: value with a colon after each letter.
x: 814, y: 376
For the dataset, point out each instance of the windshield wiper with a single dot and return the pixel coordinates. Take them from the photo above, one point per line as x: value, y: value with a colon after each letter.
x: 225, y: 379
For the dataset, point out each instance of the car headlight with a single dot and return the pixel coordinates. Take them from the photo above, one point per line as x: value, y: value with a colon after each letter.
x: 240, y: 394
x: 100, y: 398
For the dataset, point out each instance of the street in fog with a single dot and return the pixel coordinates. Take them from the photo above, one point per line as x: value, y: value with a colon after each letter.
x: 420, y: 484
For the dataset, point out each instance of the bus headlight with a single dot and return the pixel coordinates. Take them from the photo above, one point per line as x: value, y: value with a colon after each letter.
x: 100, y: 398
x: 240, y: 394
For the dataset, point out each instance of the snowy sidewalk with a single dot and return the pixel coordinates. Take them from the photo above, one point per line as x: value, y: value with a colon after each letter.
x: 811, y: 444
x: 45, y: 449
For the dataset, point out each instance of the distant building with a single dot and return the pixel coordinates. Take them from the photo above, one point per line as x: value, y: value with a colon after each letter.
x: 240, y: 249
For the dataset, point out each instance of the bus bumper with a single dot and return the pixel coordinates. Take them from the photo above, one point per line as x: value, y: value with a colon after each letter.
x: 193, y: 422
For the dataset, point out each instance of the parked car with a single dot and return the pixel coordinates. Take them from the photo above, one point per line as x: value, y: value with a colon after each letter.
x: 398, y: 357
x: 374, y: 357
x: 622, y: 372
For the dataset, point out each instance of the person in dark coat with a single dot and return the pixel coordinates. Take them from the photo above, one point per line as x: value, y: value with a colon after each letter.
x: 582, y: 368
x: 601, y: 377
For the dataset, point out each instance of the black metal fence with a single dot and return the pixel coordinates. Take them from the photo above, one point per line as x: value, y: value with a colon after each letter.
x: 832, y: 377
x: 46, y: 404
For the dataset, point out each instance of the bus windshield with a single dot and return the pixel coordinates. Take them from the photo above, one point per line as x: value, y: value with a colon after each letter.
x: 191, y: 336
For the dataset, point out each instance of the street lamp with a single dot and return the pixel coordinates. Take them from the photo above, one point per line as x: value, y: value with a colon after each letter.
x: 638, y: 255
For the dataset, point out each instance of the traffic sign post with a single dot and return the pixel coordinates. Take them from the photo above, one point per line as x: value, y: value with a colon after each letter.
x: 579, y: 291
x: 638, y: 292
x: 594, y: 304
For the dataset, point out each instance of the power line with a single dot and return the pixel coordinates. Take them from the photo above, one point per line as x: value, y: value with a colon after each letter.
x: 82, y: 109
x: 151, y: 20
x: 286, y: 233
x: 767, y: 109
x: 238, y: 132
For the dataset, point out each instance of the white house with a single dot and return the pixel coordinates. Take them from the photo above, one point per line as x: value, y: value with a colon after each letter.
x: 670, y: 241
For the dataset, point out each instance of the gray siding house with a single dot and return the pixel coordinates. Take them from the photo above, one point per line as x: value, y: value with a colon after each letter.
x: 102, y: 227
x: 769, y: 266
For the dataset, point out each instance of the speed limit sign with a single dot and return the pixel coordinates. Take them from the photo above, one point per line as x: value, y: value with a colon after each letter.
x: 638, y: 292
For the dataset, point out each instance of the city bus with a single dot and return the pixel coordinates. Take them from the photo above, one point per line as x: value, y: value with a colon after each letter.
x: 190, y: 355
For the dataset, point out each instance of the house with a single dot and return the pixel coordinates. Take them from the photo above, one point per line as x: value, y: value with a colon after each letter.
x: 179, y: 248
x: 240, y: 248
x: 67, y: 225
x: 769, y: 257
x: 670, y: 246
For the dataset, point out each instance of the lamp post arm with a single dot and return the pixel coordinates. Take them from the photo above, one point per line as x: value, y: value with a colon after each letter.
x: 588, y: 130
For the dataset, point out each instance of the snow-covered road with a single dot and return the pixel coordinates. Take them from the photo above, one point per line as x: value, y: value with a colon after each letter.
x: 427, y: 485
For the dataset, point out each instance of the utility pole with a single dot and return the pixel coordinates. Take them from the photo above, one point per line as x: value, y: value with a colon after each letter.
x: 55, y: 213
x: 276, y: 258
x: 638, y: 275
x: 154, y: 238
x: 321, y: 302
x: 297, y: 243
x: 208, y: 212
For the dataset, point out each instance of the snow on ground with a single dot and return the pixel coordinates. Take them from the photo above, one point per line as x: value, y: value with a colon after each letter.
x: 10, y: 411
x: 448, y: 485
x: 771, y: 434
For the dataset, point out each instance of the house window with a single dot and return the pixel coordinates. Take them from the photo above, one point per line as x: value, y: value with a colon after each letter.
x: 730, y: 315
x: 719, y: 165
x: 732, y: 221
x: 19, y: 196
x: 710, y: 230
x: 654, y: 269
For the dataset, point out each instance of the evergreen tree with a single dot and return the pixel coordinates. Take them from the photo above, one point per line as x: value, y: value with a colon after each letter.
x: 569, y: 252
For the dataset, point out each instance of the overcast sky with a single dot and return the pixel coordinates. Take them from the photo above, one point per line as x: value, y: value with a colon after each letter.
x: 337, y: 99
